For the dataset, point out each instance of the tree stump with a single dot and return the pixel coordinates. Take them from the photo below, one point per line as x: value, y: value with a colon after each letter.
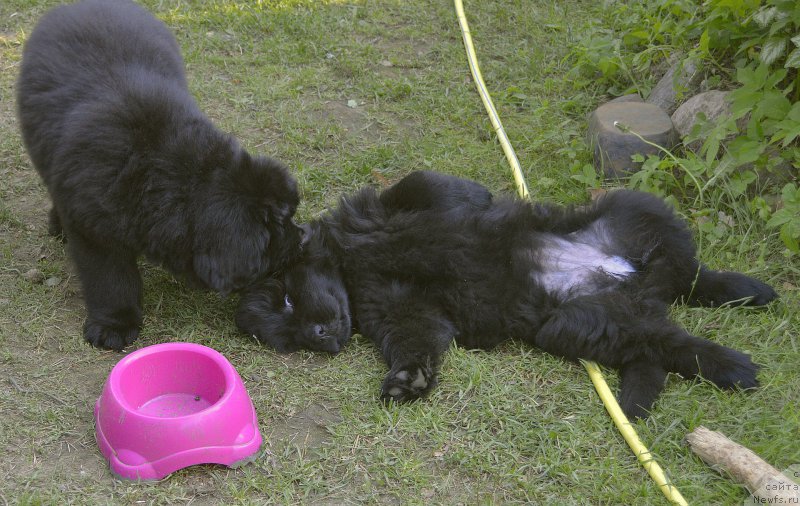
x: 614, y: 147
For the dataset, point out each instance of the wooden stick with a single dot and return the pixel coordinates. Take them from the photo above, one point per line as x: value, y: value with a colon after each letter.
x: 764, y: 481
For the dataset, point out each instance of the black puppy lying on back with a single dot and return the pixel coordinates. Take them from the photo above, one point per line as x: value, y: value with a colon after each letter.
x: 134, y: 167
x: 436, y: 258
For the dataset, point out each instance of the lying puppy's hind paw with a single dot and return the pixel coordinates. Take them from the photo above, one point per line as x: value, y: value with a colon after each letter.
x: 730, y: 369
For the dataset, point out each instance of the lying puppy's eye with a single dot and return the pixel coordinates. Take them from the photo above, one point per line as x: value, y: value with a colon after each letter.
x: 287, y: 302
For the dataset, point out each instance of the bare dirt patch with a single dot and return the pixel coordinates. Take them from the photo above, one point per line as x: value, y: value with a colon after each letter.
x: 305, y: 429
x: 352, y: 119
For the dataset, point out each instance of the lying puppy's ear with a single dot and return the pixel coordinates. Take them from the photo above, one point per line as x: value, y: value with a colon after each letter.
x: 266, y: 313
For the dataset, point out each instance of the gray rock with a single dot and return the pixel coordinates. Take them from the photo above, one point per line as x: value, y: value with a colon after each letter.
x: 613, y: 147
x: 679, y: 81
x: 53, y: 281
x: 712, y: 104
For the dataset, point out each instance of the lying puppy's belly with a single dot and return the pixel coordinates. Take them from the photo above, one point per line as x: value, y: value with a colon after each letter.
x: 567, y: 268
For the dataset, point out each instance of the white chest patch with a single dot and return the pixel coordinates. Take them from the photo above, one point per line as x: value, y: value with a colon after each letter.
x: 568, y: 267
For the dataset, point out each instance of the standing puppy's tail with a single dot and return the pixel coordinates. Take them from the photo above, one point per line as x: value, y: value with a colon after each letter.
x: 716, y: 288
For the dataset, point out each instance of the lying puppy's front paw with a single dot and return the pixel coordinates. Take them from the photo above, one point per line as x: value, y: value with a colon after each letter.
x: 408, y: 383
x: 111, y: 337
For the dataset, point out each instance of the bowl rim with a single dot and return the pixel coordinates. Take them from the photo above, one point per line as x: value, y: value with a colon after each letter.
x: 117, y: 392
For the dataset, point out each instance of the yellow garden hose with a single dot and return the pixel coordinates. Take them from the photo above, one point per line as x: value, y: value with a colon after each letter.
x: 619, y: 418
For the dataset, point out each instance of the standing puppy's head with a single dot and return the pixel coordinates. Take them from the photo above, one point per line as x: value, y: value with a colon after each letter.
x: 243, y: 225
x: 306, y: 308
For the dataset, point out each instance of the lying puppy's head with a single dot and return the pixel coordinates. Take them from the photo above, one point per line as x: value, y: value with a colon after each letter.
x: 243, y: 225
x: 306, y: 307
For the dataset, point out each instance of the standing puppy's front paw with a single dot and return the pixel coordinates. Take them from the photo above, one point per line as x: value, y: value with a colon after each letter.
x: 111, y: 337
x: 408, y: 383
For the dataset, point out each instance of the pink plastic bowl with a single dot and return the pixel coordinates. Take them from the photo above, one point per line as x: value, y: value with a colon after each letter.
x: 174, y: 405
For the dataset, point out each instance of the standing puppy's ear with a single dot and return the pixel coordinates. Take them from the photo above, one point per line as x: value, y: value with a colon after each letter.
x: 285, y: 238
x: 305, y: 235
x: 243, y: 225
x: 230, y: 248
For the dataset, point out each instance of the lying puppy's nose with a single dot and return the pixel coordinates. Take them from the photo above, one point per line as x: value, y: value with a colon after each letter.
x: 323, y: 340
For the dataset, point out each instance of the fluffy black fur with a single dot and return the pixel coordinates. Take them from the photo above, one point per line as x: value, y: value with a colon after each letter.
x: 436, y: 258
x: 134, y: 167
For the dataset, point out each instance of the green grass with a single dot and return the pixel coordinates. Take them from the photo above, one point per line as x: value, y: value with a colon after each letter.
x: 509, y: 426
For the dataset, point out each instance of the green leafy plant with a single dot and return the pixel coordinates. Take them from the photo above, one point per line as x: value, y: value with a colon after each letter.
x: 753, y: 48
x: 788, y: 217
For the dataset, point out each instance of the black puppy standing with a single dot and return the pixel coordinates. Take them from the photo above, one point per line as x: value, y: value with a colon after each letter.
x: 435, y: 258
x: 134, y: 167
